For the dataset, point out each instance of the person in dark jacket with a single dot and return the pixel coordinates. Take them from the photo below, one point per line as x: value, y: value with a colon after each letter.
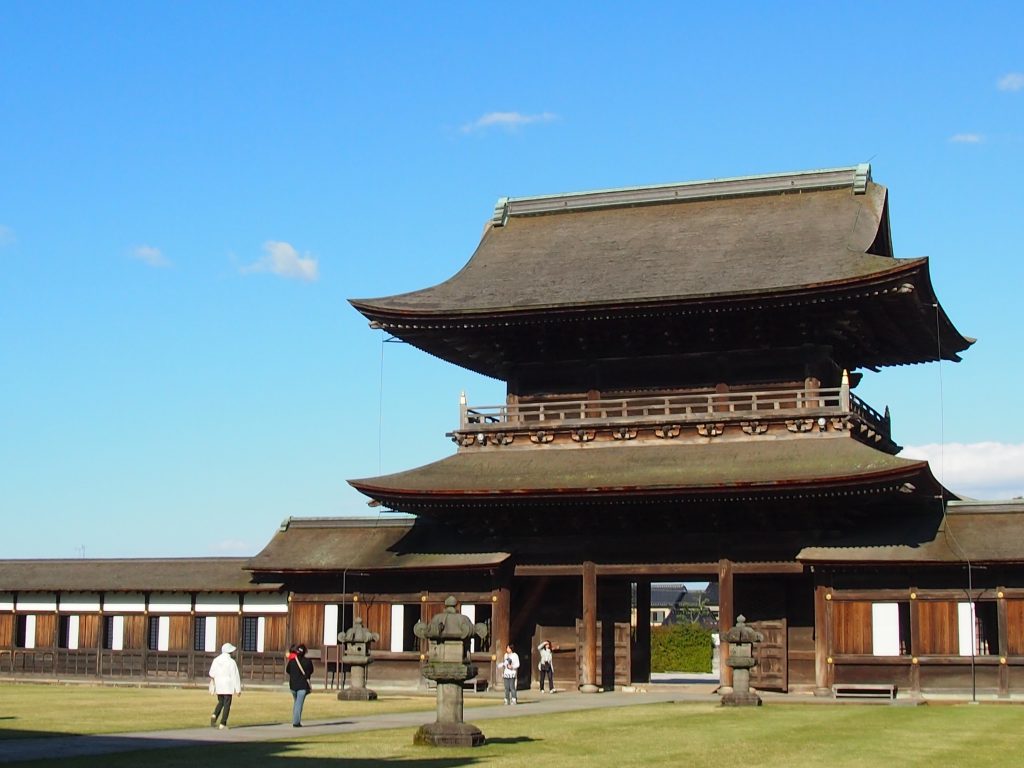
x: 300, y: 670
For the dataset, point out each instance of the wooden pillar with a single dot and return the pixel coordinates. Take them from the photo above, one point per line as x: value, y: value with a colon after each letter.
x: 145, y: 635
x: 500, y: 628
x: 192, y: 640
x: 641, y: 666
x: 1004, y: 643
x: 588, y: 657
x: 915, y: 643
x: 725, y: 620
x: 100, y: 630
x: 822, y: 641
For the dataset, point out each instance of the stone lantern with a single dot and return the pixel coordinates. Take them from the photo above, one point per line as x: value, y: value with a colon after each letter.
x: 741, y: 639
x: 356, y: 640
x: 448, y: 664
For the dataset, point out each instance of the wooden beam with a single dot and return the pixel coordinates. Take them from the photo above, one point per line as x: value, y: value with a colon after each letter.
x: 669, y: 570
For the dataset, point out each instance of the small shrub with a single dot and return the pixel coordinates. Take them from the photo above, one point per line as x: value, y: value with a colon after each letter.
x: 682, y: 647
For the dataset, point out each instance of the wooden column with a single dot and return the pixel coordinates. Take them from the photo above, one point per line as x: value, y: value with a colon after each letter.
x: 500, y: 628
x: 915, y: 644
x: 145, y: 635
x: 725, y: 620
x: 822, y: 646
x: 192, y: 640
x: 588, y: 657
x: 641, y: 671
x: 1004, y: 643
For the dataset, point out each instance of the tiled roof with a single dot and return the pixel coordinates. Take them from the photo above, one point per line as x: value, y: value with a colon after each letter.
x: 976, y: 531
x: 336, y: 544
x: 733, y: 467
x: 223, y: 574
x: 691, y: 249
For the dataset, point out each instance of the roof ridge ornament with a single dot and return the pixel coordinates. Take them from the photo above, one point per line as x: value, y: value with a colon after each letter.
x: 854, y: 177
x: 500, y: 216
x: 861, y: 177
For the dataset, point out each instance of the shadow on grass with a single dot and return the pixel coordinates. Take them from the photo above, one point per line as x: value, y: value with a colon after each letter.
x: 275, y: 754
x: 511, y: 740
x: 19, y: 734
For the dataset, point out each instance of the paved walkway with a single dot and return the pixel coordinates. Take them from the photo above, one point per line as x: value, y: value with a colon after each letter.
x: 531, y: 703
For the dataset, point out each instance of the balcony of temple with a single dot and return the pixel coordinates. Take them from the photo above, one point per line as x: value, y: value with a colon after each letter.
x: 785, y: 410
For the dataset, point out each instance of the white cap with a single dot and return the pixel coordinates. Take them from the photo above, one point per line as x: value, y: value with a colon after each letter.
x: 227, y: 648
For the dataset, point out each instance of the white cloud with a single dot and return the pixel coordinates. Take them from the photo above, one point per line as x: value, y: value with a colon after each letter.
x: 233, y: 547
x: 147, y: 254
x: 507, y: 120
x: 1012, y: 81
x: 967, y: 138
x: 6, y: 236
x: 987, y: 470
x: 282, y: 259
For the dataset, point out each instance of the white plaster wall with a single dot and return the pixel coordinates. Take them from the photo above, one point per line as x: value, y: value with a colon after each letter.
x: 124, y: 602
x: 81, y: 602
x: 275, y: 602
x: 885, y: 629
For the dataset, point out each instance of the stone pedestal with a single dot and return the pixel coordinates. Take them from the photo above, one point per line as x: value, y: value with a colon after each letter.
x: 448, y: 664
x: 741, y: 639
x: 357, y: 690
x: 356, y: 640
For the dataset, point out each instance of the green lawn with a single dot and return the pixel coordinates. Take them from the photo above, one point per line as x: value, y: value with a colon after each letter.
x: 689, y: 735
x: 27, y: 710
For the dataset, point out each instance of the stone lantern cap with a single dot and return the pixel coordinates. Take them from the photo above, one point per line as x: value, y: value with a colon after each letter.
x: 357, y: 633
x: 741, y: 633
x: 449, y: 625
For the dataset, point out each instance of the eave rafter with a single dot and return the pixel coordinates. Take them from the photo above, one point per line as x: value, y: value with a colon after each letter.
x: 875, y: 320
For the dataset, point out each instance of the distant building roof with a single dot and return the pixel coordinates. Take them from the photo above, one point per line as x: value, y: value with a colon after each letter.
x: 187, y: 574
x: 337, y: 544
x: 981, y: 532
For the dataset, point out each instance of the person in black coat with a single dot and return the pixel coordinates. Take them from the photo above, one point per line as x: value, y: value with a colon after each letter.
x: 300, y: 670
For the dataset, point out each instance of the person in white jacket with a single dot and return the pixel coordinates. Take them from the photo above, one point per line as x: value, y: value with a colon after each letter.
x: 509, y: 667
x: 546, y: 666
x: 225, y: 682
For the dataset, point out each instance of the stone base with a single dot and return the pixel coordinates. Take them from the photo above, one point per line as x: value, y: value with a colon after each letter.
x: 357, y: 694
x: 737, y: 699
x: 448, y: 735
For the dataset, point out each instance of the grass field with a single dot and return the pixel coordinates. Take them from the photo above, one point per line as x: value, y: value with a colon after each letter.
x: 27, y: 710
x: 691, y: 735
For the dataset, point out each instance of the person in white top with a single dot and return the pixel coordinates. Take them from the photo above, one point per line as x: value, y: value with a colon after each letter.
x: 509, y: 667
x: 225, y: 682
x: 546, y: 666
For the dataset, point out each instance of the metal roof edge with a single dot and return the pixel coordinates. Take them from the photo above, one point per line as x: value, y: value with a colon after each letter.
x: 978, y: 505
x: 349, y: 522
x: 856, y: 177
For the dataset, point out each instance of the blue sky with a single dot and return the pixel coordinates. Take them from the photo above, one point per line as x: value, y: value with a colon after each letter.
x: 191, y: 190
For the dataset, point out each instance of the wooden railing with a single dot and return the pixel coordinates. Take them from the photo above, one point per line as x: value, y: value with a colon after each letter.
x: 678, y: 408
x: 180, y: 666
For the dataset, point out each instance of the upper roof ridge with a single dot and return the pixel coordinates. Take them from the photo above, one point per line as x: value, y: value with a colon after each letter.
x: 855, y: 176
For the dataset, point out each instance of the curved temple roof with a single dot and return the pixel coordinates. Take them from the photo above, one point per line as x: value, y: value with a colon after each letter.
x: 794, y: 237
x: 597, y: 473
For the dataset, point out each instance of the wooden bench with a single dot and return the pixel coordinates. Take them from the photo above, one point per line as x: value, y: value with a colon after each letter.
x: 864, y: 691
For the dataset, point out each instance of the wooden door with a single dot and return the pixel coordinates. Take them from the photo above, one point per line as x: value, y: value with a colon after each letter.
x: 612, y: 672
x: 771, y: 672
